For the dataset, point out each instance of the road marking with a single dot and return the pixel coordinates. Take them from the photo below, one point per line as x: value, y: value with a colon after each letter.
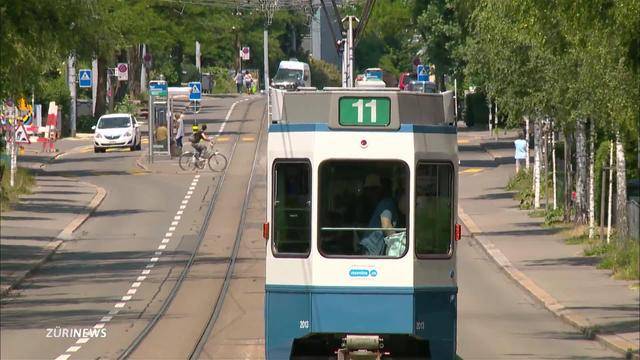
x: 197, y: 176
x: 154, y: 259
x: 169, y: 234
x: 130, y: 292
x: 63, y: 357
x: 174, y: 223
x: 150, y: 266
x: 114, y: 312
x: 176, y: 218
x: 173, y: 228
x: 136, y: 284
x: 223, y: 139
x: 162, y: 247
x: 463, y: 141
x: 106, y: 318
x: 191, y: 188
x: 74, y: 348
x: 471, y: 171
x: 165, y: 241
x: 120, y: 305
x: 189, y: 192
x: 187, y: 197
x: 185, y: 201
x: 98, y: 326
x: 125, y: 298
x: 182, y: 207
x: 82, y: 341
x: 248, y: 138
x: 180, y: 212
x: 158, y: 253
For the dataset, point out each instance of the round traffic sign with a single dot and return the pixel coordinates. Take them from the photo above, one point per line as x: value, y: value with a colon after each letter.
x: 122, y: 68
x: 245, y: 50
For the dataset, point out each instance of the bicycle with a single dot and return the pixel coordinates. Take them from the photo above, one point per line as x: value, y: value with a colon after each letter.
x: 216, y: 161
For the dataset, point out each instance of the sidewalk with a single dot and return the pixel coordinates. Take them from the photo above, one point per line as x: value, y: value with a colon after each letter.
x: 36, y: 227
x: 557, y: 274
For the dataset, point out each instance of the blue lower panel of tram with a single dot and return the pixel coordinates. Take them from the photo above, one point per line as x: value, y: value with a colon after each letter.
x: 293, y: 312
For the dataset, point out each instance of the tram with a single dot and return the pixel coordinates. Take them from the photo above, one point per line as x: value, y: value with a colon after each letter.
x: 361, y: 226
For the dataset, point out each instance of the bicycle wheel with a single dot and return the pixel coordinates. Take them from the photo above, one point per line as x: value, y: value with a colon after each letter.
x: 217, y: 162
x: 186, y: 161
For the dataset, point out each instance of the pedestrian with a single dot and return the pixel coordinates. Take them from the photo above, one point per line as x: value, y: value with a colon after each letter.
x: 179, y: 131
x: 521, y: 152
x: 239, y: 80
x: 248, y: 81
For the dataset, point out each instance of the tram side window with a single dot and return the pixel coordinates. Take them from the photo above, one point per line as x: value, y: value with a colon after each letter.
x: 433, y: 208
x: 362, y: 208
x: 292, y: 208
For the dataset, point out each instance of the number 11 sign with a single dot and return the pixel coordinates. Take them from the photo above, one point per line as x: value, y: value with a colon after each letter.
x: 364, y: 111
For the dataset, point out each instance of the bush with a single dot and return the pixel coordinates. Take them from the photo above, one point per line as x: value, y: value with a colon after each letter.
x: 323, y: 74
x: 24, y: 180
x: 223, y: 81
x: 126, y: 106
x: 522, y: 184
x: 84, y: 124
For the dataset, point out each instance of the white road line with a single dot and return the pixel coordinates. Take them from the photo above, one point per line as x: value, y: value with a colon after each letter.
x: 226, y: 118
x: 182, y: 207
x: 106, y: 318
x: 169, y: 234
x: 63, y: 357
x: 198, y: 175
x: 191, y: 188
x: 177, y: 217
x: 82, y: 341
x: 154, y: 259
x: 125, y: 298
x: 136, y: 284
x: 114, y: 312
x: 175, y: 223
x: 141, y: 278
x: 150, y: 266
x: 131, y: 292
x: 185, y: 201
x: 165, y: 241
x: 98, y: 326
x: 145, y: 272
x: 120, y: 305
x: 157, y: 253
x: 74, y: 348
x: 180, y: 212
x: 187, y: 197
x: 162, y: 247
x: 189, y: 192
x: 172, y: 228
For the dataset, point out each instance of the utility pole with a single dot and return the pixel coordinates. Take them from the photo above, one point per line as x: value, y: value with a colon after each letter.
x: 266, y: 72
x: 71, y: 70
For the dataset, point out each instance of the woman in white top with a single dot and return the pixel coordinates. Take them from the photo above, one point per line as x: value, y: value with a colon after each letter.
x: 180, y: 131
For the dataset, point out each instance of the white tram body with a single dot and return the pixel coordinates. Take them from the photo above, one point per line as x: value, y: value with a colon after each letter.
x: 361, y: 230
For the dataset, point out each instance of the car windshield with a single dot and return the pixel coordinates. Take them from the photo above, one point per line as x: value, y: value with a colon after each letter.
x: 288, y: 75
x: 114, y: 123
x: 373, y: 74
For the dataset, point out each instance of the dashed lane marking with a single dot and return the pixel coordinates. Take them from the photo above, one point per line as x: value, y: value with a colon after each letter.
x: 248, y: 138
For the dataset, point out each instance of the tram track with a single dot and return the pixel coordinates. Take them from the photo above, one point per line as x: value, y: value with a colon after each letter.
x: 193, y: 257
x: 195, y: 354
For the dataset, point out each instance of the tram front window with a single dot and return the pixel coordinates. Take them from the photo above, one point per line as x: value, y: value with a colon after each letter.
x: 363, y: 208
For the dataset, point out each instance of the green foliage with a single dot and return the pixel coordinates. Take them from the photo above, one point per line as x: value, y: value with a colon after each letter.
x: 84, y: 124
x: 476, y: 110
x: 323, y: 74
x: 522, y: 184
x: 552, y: 216
x: 620, y: 256
x: 126, y: 106
x: 9, y: 195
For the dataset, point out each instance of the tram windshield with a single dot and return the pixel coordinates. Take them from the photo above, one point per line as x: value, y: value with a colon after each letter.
x: 363, y: 208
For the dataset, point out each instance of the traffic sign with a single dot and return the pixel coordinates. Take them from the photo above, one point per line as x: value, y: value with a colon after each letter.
x: 245, y: 53
x: 158, y: 88
x: 196, y: 91
x: 85, y: 78
x: 423, y: 73
x: 122, y: 71
x: 21, y: 136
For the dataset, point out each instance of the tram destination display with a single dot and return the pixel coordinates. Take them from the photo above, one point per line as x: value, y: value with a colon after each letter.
x: 364, y: 111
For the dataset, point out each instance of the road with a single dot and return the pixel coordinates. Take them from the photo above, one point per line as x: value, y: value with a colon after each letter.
x: 88, y: 278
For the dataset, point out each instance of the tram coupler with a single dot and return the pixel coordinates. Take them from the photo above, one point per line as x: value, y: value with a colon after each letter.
x: 361, y: 347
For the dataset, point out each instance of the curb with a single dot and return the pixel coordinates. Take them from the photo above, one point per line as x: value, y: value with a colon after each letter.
x: 610, y: 341
x: 65, y: 234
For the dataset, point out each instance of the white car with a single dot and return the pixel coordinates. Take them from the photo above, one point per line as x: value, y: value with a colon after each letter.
x: 116, y: 131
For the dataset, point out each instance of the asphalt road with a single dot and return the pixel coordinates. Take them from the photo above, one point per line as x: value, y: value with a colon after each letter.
x: 94, y: 275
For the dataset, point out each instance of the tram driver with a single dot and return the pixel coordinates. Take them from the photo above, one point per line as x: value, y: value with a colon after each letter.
x: 384, y: 216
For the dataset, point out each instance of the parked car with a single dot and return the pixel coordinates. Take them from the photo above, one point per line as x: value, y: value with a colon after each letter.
x: 291, y: 75
x: 116, y: 131
x: 373, y: 77
x: 422, y: 86
x: 405, y: 79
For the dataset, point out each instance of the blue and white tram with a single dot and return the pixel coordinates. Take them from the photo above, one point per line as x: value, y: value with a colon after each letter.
x: 361, y: 226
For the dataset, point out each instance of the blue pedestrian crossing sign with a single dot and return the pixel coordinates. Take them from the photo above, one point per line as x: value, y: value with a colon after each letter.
x: 423, y: 73
x: 84, y: 78
x: 196, y: 91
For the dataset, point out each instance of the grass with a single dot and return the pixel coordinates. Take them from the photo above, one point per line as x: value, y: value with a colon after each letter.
x: 24, y: 181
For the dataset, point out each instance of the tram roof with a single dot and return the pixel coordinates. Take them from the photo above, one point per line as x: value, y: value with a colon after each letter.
x: 309, y: 106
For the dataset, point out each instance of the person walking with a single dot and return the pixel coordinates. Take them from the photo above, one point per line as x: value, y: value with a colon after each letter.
x: 248, y: 81
x: 521, y: 152
x: 239, y: 80
x: 179, y: 131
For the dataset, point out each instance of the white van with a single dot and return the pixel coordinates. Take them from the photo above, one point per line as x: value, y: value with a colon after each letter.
x: 291, y: 75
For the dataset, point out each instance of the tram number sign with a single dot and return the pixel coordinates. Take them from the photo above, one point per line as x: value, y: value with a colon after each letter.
x: 364, y: 111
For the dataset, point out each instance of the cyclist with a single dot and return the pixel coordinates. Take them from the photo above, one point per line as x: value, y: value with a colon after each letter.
x: 196, y: 140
